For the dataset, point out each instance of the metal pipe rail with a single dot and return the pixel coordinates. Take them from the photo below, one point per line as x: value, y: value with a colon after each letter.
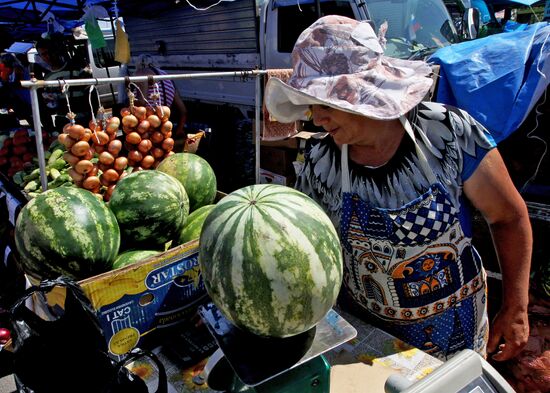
x: 35, y: 84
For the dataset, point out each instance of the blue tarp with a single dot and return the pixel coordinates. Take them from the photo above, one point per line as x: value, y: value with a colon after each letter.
x: 497, y: 79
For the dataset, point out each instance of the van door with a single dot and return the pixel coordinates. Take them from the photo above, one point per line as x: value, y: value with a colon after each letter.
x: 103, y: 65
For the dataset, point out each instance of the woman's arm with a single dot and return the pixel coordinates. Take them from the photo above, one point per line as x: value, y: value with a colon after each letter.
x: 492, y: 192
x: 181, y: 110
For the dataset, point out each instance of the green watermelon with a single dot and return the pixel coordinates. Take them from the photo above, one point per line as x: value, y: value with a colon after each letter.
x: 66, y: 231
x: 196, y: 175
x: 132, y: 256
x: 150, y: 207
x: 193, y: 225
x: 271, y: 260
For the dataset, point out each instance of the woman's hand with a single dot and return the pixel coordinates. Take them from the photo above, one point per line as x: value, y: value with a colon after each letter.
x: 508, y: 334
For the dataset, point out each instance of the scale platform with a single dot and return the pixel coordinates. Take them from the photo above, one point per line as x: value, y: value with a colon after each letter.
x: 256, y: 360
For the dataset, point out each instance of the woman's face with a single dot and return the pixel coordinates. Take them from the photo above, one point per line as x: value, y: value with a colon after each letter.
x: 344, y: 127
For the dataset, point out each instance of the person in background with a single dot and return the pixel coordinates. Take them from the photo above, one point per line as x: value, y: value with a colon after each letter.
x: 54, y: 101
x: 167, y: 92
x: 399, y: 176
x: 13, y: 95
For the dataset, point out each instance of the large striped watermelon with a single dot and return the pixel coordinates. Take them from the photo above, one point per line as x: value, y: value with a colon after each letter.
x: 66, y: 231
x: 196, y: 175
x: 150, y: 207
x: 271, y: 260
x: 193, y: 225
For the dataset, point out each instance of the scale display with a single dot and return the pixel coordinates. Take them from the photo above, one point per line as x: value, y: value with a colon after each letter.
x: 466, y: 372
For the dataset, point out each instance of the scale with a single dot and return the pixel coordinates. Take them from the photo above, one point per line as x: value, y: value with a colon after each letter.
x: 466, y: 372
x: 247, y: 363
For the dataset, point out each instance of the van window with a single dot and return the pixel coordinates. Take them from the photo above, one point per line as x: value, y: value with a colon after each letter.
x: 105, y: 57
x: 293, y: 19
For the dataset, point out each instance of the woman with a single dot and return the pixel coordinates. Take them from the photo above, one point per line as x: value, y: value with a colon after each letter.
x: 397, y: 176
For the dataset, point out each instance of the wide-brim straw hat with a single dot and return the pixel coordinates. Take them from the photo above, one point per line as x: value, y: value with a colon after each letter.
x: 339, y: 62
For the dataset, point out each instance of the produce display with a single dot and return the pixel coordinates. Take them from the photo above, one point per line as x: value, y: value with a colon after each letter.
x: 196, y: 175
x: 56, y: 171
x: 193, y: 225
x: 151, y: 208
x: 271, y: 260
x: 66, y: 231
x: 148, y: 134
x: 18, y: 151
x: 93, y: 155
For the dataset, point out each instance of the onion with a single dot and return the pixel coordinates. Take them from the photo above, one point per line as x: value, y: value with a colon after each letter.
x: 130, y: 121
x: 166, y: 127
x: 143, y: 126
x: 140, y: 112
x: 114, y: 147
x: 157, y: 137
x: 76, y: 131
x: 125, y: 112
x: 163, y: 112
x: 110, y: 175
x: 84, y: 166
x: 154, y: 121
x: 91, y: 183
x: 80, y: 148
x: 145, y: 145
x: 71, y: 159
x: 147, y: 162
x: 134, y: 138
x: 106, y: 158
x: 135, y: 155
x: 168, y: 144
x: 100, y: 138
x: 120, y: 163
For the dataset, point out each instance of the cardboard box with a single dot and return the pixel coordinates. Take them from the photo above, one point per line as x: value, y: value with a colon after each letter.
x: 278, y: 159
x: 155, y: 293
x: 268, y: 177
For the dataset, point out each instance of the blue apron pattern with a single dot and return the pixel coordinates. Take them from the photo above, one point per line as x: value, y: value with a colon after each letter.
x: 414, y: 268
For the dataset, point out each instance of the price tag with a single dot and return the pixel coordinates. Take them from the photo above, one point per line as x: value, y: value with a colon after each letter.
x: 13, y: 204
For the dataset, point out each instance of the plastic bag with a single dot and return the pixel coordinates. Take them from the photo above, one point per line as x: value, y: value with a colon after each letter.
x: 95, y: 36
x: 67, y: 352
x: 122, y: 46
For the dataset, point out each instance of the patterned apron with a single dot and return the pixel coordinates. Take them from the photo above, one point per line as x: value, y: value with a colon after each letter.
x: 414, y: 268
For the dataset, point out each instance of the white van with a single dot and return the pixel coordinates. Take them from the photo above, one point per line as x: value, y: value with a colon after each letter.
x: 102, y: 63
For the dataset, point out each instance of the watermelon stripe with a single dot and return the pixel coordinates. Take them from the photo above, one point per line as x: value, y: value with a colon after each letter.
x: 263, y: 257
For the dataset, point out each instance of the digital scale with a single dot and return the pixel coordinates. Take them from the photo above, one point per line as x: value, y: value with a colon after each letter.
x: 247, y: 363
x: 466, y: 372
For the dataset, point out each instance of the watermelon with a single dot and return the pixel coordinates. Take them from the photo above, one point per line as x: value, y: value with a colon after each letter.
x: 271, y: 260
x: 66, y: 231
x: 132, y: 256
x: 193, y: 225
x: 150, y: 207
x: 196, y: 175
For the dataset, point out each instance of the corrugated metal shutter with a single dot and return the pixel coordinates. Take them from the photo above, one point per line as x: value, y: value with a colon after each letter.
x: 227, y: 28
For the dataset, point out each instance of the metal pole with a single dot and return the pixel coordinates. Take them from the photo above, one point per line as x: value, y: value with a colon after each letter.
x: 98, y: 81
x: 38, y: 138
x: 257, y: 129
